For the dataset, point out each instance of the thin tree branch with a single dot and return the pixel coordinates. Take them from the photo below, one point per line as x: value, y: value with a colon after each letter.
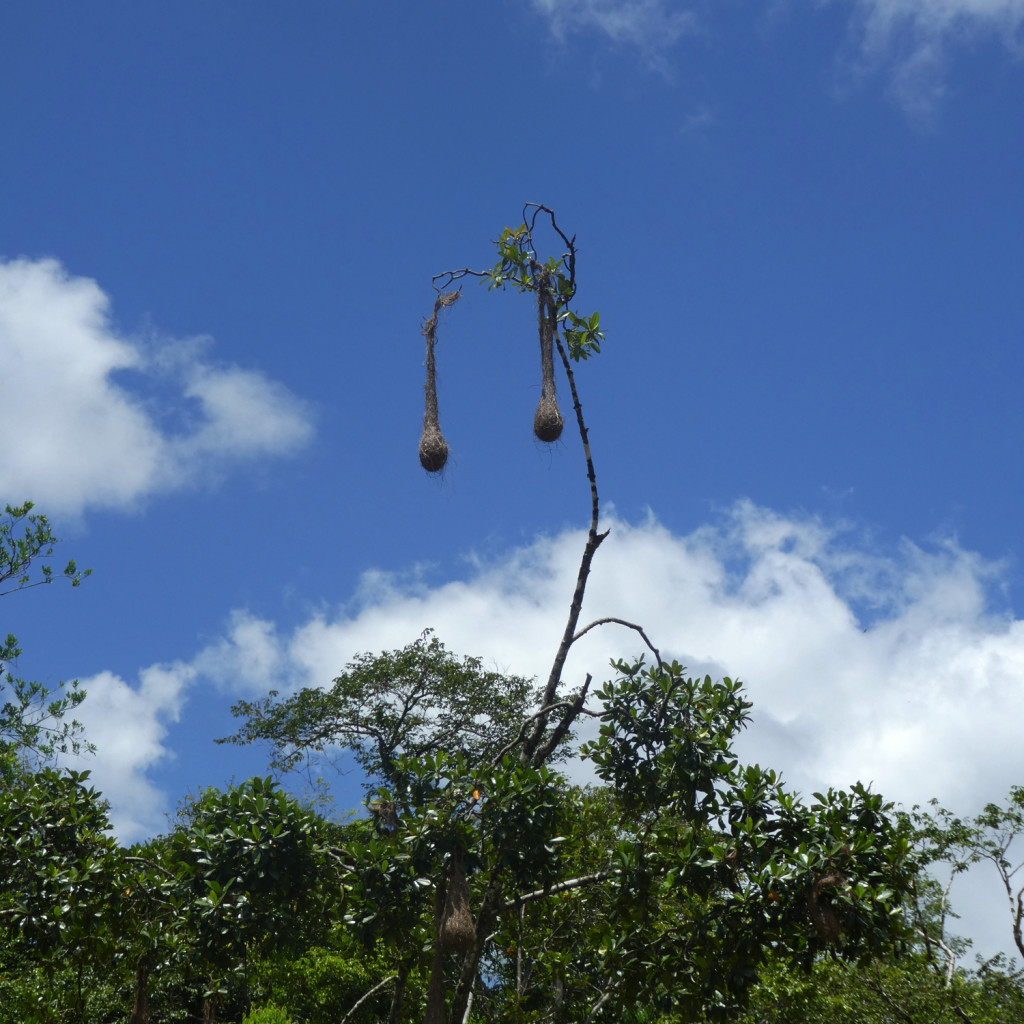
x: 893, y: 1005
x: 532, y: 718
x: 469, y: 1006
x: 362, y: 999
x: 561, y: 730
x: 594, y: 540
x: 449, y: 277
x: 596, y: 1009
x: 153, y: 865
x: 560, y: 887
x: 621, y: 622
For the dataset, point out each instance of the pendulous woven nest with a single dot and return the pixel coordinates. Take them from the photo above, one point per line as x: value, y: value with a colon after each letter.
x: 547, y: 421
x: 433, y: 447
x: 457, y: 932
x: 823, y: 916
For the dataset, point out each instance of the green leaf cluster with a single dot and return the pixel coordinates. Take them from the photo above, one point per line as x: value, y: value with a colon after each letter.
x: 518, y: 266
x: 34, y: 722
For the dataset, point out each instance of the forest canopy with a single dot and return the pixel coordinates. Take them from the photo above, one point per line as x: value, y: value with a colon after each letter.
x: 477, y: 883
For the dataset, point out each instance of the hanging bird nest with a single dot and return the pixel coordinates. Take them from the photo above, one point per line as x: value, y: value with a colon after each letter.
x: 823, y: 916
x: 547, y: 421
x: 433, y: 447
x: 457, y: 932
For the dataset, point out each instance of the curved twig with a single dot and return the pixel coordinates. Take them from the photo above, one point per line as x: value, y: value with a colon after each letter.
x: 569, y: 259
x: 451, y: 276
x: 621, y: 622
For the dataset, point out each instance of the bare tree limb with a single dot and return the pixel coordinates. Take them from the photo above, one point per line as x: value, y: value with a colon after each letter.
x: 594, y: 540
x: 561, y: 730
x: 567, y: 704
x: 620, y: 622
x: 469, y: 1006
x: 362, y: 999
x: 449, y: 277
x: 596, y: 1008
x: 560, y: 887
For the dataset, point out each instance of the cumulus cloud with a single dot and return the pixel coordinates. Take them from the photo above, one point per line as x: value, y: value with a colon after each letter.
x: 128, y: 725
x: 78, y: 431
x: 894, y: 667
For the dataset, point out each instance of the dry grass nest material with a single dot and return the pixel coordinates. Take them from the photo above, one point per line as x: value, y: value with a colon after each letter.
x: 457, y: 932
x: 433, y: 449
x: 547, y: 421
x: 823, y: 916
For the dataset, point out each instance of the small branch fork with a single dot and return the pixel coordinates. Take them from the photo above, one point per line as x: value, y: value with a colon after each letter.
x: 565, y: 705
x: 449, y: 277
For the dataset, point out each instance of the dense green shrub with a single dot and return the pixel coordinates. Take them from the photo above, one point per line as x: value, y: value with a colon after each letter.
x: 322, y: 985
x: 269, y: 1014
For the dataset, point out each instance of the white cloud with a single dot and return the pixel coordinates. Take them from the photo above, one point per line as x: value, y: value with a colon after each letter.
x: 128, y: 725
x: 76, y: 435
x: 911, y: 42
x: 252, y: 658
x: 651, y: 25
x: 908, y: 42
x: 892, y: 668
x: 886, y: 667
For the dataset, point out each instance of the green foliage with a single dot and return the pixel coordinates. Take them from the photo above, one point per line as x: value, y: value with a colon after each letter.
x: 269, y: 1014
x: 881, y: 991
x: 58, y: 892
x: 33, y: 722
x: 944, y: 838
x: 24, y: 537
x: 518, y: 266
x: 665, y: 735
x: 252, y: 874
x: 56, y: 859
x: 713, y: 865
x: 392, y: 709
x: 321, y: 985
x: 247, y: 874
x: 700, y: 868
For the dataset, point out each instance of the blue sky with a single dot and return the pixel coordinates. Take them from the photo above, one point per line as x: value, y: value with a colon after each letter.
x: 801, y: 223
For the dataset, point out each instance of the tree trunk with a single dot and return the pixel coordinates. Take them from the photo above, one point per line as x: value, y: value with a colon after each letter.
x: 488, y: 914
x: 395, y: 1014
x: 140, y: 1011
x: 436, y: 1012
